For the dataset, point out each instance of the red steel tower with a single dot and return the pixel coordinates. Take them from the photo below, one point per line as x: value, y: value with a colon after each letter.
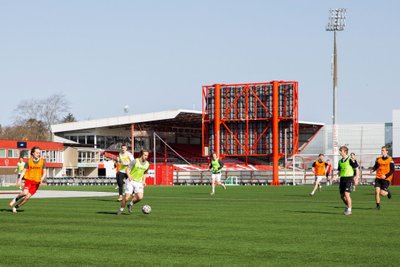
x: 250, y: 120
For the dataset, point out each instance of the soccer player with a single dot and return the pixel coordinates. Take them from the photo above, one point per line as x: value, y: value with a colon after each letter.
x: 346, y: 168
x: 319, y: 169
x: 353, y: 158
x: 34, y: 172
x: 216, y: 169
x: 137, y: 174
x: 20, y: 168
x: 116, y: 167
x: 124, y: 159
x: 384, y: 167
x: 328, y: 172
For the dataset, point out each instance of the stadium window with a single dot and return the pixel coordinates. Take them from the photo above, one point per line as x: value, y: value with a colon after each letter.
x: 80, y: 157
x: 81, y: 140
x: 170, y: 138
x: 45, y: 155
x: 52, y: 156
x: 2, y: 153
x: 195, y: 141
x: 183, y: 140
x: 24, y: 153
x: 58, y: 156
x: 142, y: 143
x: 101, y: 142
x: 12, y: 153
x: 90, y: 139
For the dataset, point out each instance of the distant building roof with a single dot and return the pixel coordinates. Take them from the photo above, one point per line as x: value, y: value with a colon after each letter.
x: 313, y: 123
x: 189, y: 118
x: 63, y: 140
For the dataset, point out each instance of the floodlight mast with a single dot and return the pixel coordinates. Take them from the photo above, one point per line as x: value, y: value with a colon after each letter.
x: 337, y: 18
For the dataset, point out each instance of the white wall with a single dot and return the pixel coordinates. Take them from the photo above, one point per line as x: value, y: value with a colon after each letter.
x: 396, y: 133
x: 359, y: 138
x: 110, y: 170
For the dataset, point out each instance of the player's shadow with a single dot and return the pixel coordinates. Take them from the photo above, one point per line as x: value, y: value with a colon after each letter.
x: 107, y: 213
x: 355, y: 208
x: 313, y: 212
x: 9, y: 210
x: 299, y: 195
x: 102, y: 200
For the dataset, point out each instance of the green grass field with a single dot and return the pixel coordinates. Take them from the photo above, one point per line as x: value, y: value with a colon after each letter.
x: 249, y: 225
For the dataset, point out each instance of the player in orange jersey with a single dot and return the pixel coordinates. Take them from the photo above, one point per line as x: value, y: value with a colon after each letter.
x: 34, y: 173
x: 384, y: 167
x: 319, y: 169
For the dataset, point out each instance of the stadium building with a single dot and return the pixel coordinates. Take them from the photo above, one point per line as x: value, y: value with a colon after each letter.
x: 86, y: 148
x: 176, y: 137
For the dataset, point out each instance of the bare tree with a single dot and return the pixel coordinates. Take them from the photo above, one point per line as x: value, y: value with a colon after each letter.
x: 47, y: 111
x: 31, y: 129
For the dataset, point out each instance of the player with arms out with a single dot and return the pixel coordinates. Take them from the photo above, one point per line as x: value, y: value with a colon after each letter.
x: 137, y: 174
x: 384, y: 167
x: 34, y: 173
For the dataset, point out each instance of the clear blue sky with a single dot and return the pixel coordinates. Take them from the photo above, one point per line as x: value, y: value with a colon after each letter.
x: 156, y: 55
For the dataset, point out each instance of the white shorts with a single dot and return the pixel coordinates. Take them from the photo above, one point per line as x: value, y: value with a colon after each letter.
x: 216, y: 176
x: 133, y: 187
x: 319, y: 178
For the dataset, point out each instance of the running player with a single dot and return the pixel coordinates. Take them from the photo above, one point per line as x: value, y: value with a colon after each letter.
x: 34, y: 172
x: 124, y: 159
x: 319, y: 169
x: 216, y: 169
x: 137, y: 174
x: 384, y: 167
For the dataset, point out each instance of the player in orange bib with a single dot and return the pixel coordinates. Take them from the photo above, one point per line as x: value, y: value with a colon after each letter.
x: 319, y: 169
x: 384, y: 167
x: 34, y: 173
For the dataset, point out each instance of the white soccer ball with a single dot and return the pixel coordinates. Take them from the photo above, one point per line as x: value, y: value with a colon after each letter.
x: 146, y: 209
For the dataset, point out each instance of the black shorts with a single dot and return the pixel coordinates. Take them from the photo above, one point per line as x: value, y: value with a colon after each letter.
x: 346, y: 183
x: 382, y: 184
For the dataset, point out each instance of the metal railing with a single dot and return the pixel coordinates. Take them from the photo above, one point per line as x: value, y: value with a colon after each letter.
x: 204, y: 177
x: 67, y: 181
x: 195, y: 177
x: 6, y: 180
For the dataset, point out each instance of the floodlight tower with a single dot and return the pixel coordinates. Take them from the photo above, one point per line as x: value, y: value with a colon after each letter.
x: 336, y: 23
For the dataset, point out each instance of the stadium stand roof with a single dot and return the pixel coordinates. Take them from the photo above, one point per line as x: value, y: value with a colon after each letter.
x: 168, y: 119
x: 173, y: 118
x: 64, y: 140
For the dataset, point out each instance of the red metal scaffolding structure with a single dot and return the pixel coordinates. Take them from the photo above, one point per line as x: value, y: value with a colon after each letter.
x: 251, y: 120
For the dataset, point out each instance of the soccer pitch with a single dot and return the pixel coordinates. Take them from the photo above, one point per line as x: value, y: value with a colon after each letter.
x: 247, y: 225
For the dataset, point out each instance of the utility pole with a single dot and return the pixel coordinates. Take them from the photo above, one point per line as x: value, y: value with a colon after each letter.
x: 336, y: 23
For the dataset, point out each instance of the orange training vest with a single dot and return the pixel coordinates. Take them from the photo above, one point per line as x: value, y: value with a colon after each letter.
x: 35, y: 170
x: 319, y: 168
x: 383, y: 168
